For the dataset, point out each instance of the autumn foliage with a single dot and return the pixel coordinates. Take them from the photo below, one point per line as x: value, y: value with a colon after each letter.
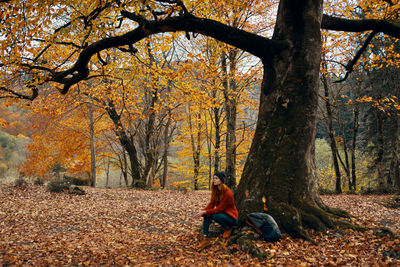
x: 133, y: 227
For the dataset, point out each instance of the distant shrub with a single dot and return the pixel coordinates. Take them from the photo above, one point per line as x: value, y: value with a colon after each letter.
x: 20, y: 182
x: 183, y: 186
x: 76, y: 180
x: 73, y: 189
x: 139, y: 184
x: 38, y: 181
x: 56, y: 186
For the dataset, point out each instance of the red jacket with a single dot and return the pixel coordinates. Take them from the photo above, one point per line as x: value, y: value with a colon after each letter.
x: 227, y: 206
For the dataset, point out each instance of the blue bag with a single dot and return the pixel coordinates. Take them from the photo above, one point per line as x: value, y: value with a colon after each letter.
x: 264, y: 225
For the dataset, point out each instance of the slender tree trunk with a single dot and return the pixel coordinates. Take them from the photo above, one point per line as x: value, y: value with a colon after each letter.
x: 217, y: 139
x: 149, y: 155
x: 108, y: 173
x: 230, y: 110
x: 209, y: 137
x: 124, y: 168
x: 346, y: 164
x: 280, y: 165
x: 334, y: 150
x: 92, y: 146
x: 165, y: 153
x: 126, y: 143
x: 379, y: 158
x: 196, y: 148
x: 394, y: 163
x: 230, y: 170
x: 356, y: 125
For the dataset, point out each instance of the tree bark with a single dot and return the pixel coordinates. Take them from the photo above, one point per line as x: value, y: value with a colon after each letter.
x: 152, y: 94
x: 280, y: 165
x: 230, y: 111
x: 126, y: 143
x: 148, y: 149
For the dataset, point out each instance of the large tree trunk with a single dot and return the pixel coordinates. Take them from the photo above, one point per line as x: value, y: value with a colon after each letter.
x: 280, y: 165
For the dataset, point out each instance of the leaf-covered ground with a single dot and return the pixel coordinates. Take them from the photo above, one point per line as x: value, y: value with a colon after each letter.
x: 154, y: 228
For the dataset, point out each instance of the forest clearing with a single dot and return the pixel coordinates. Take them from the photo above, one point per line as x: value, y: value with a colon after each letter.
x: 119, y: 227
x: 288, y: 99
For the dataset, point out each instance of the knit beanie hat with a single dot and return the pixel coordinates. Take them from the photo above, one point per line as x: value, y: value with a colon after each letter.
x: 221, y: 176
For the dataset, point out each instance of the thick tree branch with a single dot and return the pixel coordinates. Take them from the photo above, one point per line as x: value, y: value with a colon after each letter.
x: 349, y: 25
x: 252, y: 43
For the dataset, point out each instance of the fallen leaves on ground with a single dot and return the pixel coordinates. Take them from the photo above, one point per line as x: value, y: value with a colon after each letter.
x: 154, y: 228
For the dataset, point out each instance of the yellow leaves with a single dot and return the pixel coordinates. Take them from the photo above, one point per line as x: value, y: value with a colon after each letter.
x: 3, y: 122
x: 365, y: 99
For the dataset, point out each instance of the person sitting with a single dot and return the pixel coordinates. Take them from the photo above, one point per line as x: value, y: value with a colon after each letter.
x: 221, y: 209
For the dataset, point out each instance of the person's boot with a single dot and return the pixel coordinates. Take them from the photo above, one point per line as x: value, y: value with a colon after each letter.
x: 204, y: 243
x: 227, y: 233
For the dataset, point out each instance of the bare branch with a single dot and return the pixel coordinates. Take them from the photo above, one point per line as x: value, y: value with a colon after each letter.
x: 103, y: 62
x: 13, y: 94
x: 62, y: 43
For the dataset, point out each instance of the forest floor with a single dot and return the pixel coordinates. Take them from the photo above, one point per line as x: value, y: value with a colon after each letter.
x: 122, y: 227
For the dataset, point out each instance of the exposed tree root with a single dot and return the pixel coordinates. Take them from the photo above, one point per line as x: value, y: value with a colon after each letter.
x: 348, y: 225
x: 241, y: 239
x: 310, y: 215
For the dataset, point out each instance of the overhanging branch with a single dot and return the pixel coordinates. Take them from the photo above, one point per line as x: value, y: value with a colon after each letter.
x: 352, y: 25
x: 257, y: 45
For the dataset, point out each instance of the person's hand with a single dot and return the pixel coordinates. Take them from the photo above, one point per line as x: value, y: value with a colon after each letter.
x: 199, y: 214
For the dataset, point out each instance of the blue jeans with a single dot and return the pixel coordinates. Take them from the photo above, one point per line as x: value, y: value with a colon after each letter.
x: 223, y: 219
